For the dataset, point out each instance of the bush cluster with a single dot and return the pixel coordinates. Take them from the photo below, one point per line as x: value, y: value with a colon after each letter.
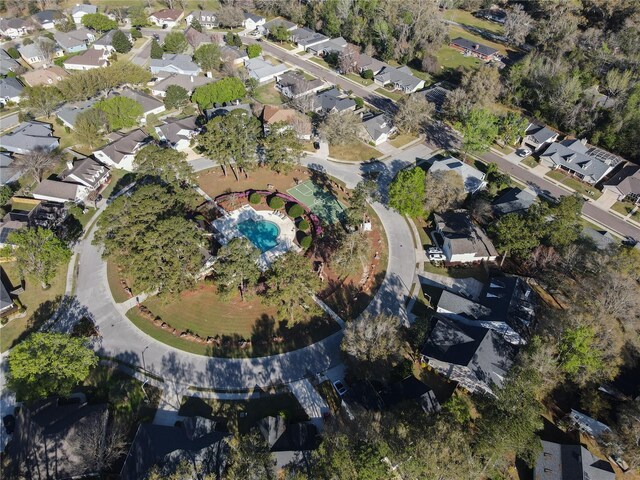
x: 295, y: 211
x: 305, y: 242
x: 303, y: 225
x: 276, y: 203
x: 255, y: 198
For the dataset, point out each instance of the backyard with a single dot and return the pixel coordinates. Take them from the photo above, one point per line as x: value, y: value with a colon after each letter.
x: 268, y: 95
x: 467, y: 18
x: 39, y: 304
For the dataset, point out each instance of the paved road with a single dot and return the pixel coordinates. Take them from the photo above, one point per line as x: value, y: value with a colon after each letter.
x: 9, y: 121
x: 372, y: 98
x: 121, y: 340
x: 540, y: 185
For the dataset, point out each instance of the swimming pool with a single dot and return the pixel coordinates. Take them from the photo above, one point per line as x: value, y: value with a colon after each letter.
x: 262, y: 233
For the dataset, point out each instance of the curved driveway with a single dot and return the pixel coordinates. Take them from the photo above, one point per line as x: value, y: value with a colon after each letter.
x: 121, y: 340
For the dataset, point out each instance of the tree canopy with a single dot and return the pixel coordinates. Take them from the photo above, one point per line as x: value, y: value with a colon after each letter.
x: 444, y: 190
x: 46, y: 364
x: 407, y: 192
x: 176, y: 97
x: 98, y: 22
x: 90, y: 127
x: 120, y: 42
x: 208, y: 57
x: 175, y: 42
x: 121, y: 112
x: 222, y: 91
x: 282, y: 147
x: 236, y: 266
x: 479, y: 130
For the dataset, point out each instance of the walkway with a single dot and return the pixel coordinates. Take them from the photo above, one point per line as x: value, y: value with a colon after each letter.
x: 311, y: 401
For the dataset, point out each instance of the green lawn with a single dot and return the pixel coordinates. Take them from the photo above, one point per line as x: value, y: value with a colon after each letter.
x: 393, y: 95
x: 358, y: 79
x: 466, y: 18
x: 529, y: 162
x: 320, y: 62
x: 574, y: 184
x: 287, y: 46
x: 301, y: 53
x: 116, y: 175
x: 451, y: 58
x: 474, y: 271
x: 268, y: 95
x: 403, y: 139
x: 623, y: 208
x: 354, y: 152
x: 242, y: 415
x: 40, y: 304
x: 113, y: 277
x: 421, y: 226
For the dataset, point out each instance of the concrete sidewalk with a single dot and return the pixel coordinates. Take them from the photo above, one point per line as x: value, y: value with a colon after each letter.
x: 309, y: 398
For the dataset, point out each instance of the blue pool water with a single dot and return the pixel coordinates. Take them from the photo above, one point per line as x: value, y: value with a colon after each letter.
x: 263, y: 234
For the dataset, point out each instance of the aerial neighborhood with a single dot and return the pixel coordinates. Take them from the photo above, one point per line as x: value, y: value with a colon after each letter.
x: 320, y: 239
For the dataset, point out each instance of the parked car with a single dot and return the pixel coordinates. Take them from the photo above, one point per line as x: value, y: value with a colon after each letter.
x: 437, y: 257
x: 523, y: 152
x: 340, y: 388
x: 435, y: 250
x: 316, y: 145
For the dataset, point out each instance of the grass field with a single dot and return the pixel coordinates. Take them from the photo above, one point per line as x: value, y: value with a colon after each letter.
x: 474, y: 271
x: 625, y: 208
x: 451, y: 58
x: 529, y: 162
x: 393, y: 95
x: 40, y: 304
x: 268, y: 95
x: 354, y: 152
x: 320, y: 62
x: 466, y: 18
x: 455, y: 32
x: 113, y: 276
x: 403, y: 139
x: 358, y: 79
x: 241, y: 415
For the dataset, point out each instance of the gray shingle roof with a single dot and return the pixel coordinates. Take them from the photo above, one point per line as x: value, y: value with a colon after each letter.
x: 332, y: 99
x: 253, y: 16
x: 10, y: 87
x: 83, y: 7
x: 260, y: 69
x: 47, y: 16
x: 69, y: 112
x: 514, y: 200
x: 481, y: 350
x: 366, y: 62
x: 437, y: 95
x: 570, y: 462
x: 5, y: 298
x: 306, y: 37
x: 172, y: 128
x: 472, y: 178
x: 29, y: 135
x: 474, y: 46
x: 572, y: 156
x: 297, y: 83
x: 65, y: 191
x: 377, y: 126
x: 188, y: 82
x: 125, y: 145
x: 89, y: 171
x: 72, y: 39
x: 401, y: 76
x: 464, y: 235
x: 601, y: 238
x: 627, y: 180
x: 540, y: 133
x: 147, y: 102
x: 17, y: 23
x: 177, y: 63
x: 7, y: 64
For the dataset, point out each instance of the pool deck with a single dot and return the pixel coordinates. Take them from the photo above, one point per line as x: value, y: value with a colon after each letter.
x: 227, y: 228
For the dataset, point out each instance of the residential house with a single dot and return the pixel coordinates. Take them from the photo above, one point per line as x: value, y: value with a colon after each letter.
x: 306, y: 38
x: 436, y: 94
x: 29, y: 136
x: 220, y: 111
x: 476, y: 358
x: 333, y: 101
x: 505, y: 305
x: 13, y: 27
x: 80, y: 10
x: 178, y: 132
x: 197, y: 440
x: 8, y: 171
x: 166, y: 18
x: 69, y: 112
x: 174, y: 63
x: 538, y: 136
x: 206, y: 18
x: 472, y: 178
x: 587, y: 425
x: 48, y: 19
x: 75, y: 40
x: 6, y: 302
x: 105, y: 42
x: 75, y: 184
x: 45, y: 76
x: 10, y: 90
x: 277, y: 22
x: 294, y: 85
x: 150, y: 105
x: 494, y: 14
x: 367, y: 62
x: 297, y: 121
x: 514, y: 200
x: 88, y: 60
x: 625, y: 184
x: 601, y: 239
x: 196, y: 38
x: 461, y: 240
x: 234, y: 55
x: 48, y: 436
x: 410, y: 389
x: 570, y: 462
x: 379, y: 128
x: 474, y: 49
x: 33, y: 54
x: 188, y: 82
x: 401, y: 78
x: 262, y: 70
x: 332, y: 45
x: 589, y: 164
x: 288, y: 441
x: 121, y: 152
x: 8, y: 64
x: 252, y: 21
